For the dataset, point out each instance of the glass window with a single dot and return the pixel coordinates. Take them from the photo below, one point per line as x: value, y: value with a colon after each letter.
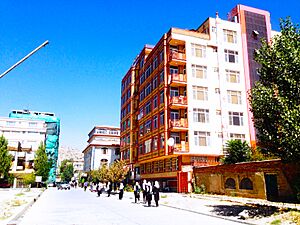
x: 10, y: 123
x: 148, y: 107
x: 155, y: 122
x: 236, y: 118
x: 202, y: 138
x: 155, y: 102
x: 234, y: 97
x: 142, y: 78
x: 237, y: 136
x: 148, y: 90
x: 32, y: 124
x: 201, y: 115
x: 198, y: 50
x: 148, y: 126
x: 174, y: 115
x: 148, y: 146
x: 200, y: 93
x: 173, y: 70
x: 174, y: 92
x: 155, y: 143
x: 161, y: 118
x: 232, y: 76
x: 230, y: 36
x: 161, y: 77
x: 162, y: 140
x: 161, y: 97
x: 199, y: 71
x: 155, y: 82
x: 161, y: 56
x: 231, y: 56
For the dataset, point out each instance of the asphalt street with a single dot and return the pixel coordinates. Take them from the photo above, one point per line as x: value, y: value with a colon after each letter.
x: 78, y: 207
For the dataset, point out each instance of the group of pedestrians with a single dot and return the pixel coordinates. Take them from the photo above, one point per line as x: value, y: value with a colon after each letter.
x: 147, y: 190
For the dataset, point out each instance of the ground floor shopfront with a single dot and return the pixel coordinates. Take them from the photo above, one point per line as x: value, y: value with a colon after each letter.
x: 174, y: 172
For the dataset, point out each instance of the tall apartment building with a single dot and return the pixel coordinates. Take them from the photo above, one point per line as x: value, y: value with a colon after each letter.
x: 185, y: 97
x: 52, y: 134
x: 103, y: 147
x: 24, y: 137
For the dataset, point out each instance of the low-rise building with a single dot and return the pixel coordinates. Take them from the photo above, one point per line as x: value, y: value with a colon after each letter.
x: 103, y: 147
x: 24, y: 137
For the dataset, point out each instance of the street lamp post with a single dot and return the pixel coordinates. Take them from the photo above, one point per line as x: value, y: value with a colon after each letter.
x: 24, y: 58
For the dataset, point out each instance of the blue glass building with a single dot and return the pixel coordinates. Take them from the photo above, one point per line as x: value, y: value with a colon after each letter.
x: 52, y: 134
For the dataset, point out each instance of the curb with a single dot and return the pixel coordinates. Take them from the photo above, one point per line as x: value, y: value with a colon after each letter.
x: 16, y: 218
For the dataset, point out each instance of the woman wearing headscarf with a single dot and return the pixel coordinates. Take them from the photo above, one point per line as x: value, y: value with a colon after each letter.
x: 121, y: 190
x: 149, y: 193
x: 156, y: 192
x: 136, y: 189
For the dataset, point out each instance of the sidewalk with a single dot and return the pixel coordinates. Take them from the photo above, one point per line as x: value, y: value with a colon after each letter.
x: 243, y: 210
x: 13, y: 202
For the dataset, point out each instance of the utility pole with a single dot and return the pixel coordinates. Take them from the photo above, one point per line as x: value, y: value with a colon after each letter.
x: 23, y: 59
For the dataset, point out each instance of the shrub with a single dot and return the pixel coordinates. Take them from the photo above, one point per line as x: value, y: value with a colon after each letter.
x: 201, y: 189
x: 128, y: 188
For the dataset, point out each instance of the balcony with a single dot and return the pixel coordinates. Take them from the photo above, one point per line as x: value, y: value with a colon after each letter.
x: 179, y: 124
x: 176, y: 80
x: 181, y: 148
x: 177, y: 58
x: 178, y: 102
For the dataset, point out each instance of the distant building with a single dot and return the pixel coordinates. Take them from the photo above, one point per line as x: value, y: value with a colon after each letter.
x: 73, y: 154
x: 52, y: 134
x: 24, y: 137
x: 103, y: 147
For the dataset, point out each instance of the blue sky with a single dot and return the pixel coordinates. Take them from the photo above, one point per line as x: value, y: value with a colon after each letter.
x: 92, y: 45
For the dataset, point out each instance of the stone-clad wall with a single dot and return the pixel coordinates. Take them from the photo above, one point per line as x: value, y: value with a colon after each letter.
x: 215, y: 177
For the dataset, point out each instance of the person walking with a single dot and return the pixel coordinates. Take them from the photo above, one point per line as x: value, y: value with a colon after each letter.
x: 99, y: 189
x: 85, y: 185
x: 144, y: 185
x: 136, y: 191
x: 108, y: 188
x: 121, y: 191
x: 149, y: 193
x: 156, y: 192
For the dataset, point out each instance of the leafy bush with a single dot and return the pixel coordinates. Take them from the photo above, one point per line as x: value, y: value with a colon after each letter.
x: 200, y: 190
x: 128, y: 188
x: 28, y: 179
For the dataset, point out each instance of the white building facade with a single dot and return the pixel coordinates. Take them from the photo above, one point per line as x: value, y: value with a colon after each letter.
x: 103, y: 147
x: 216, y: 91
x: 24, y: 137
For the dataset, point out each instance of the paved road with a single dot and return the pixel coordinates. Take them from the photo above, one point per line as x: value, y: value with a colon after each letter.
x: 79, y: 207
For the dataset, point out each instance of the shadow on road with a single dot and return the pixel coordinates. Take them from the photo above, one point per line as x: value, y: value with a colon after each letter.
x: 244, y: 211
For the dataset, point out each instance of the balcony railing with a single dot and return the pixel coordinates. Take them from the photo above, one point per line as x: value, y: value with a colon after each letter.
x: 177, y: 77
x: 181, y: 148
x: 179, y: 123
x: 174, y: 55
x: 178, y: 100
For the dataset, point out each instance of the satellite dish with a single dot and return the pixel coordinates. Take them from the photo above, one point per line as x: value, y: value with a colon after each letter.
x: 171, y: 142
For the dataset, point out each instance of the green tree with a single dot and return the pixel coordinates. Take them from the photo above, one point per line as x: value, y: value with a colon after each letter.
x: 5, y: 158
x: 237, y: 151
x: 66, y: 170
x: 275, y: 99
x: 101, y: 174
x: 41, y: 163
x: 117, y: 171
